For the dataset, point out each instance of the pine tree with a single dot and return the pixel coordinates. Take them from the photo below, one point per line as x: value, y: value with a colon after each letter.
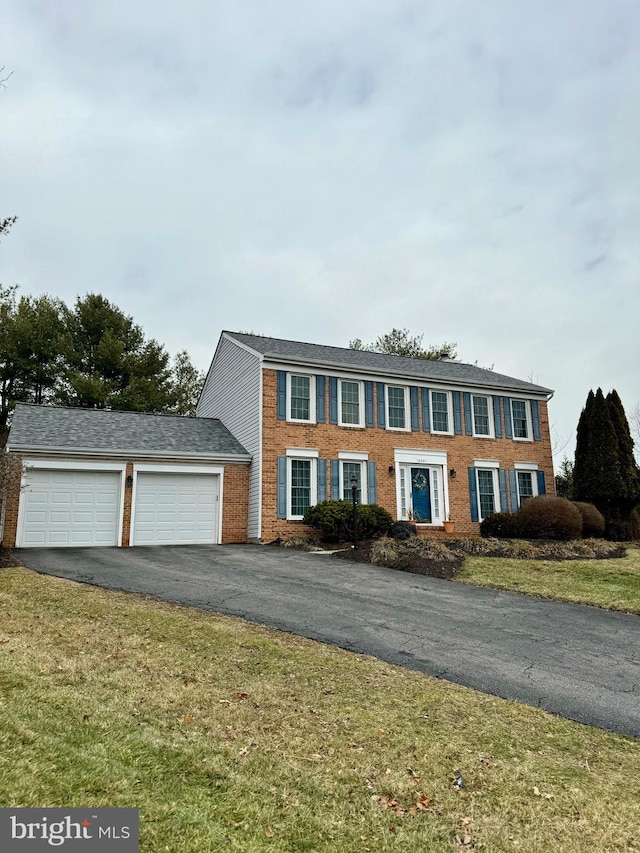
x: 630, y: 494
x: 605, y: 472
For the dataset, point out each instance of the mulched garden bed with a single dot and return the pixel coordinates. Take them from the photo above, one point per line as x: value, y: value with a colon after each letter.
x: 410, y: 561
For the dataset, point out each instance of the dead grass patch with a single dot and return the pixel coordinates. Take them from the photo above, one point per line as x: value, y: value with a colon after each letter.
x: 231, y: 736
x: 613, y: 584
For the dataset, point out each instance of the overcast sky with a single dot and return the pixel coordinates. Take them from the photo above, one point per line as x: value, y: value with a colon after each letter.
x: 323, y: 171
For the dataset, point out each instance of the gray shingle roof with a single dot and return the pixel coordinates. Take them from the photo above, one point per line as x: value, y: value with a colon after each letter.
x: 134, y: 433
x: 446, y: 372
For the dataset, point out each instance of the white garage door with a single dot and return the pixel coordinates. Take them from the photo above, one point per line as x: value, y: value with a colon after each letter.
x: 70, y: 508
x: 176, y: 509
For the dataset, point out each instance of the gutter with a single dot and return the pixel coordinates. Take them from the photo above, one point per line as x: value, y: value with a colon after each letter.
x: 244, y: 458
x: 274, y: 359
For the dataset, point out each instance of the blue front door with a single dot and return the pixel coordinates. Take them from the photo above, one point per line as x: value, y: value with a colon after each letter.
x: 421, y: 494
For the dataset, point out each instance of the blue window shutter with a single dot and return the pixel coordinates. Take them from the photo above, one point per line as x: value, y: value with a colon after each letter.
x: 473, y: 493
x: 497, y: 416
x: 368, y: 403
x: 457, y: 415
x: 333, y: 400
x: 335, y: 480
x: 372, y: 491
x: 282, y: 395
x: 282, y: 486
x: 504, y: 497
x: 321, y: 414
x: 506, y: 402
x: 513, y: 488
x: 468, y: 425
x: 415, y: 408
x: 542, y: 488
x: 426, y: 420
x: 381, y: 417
x: 322, y: 480
x: 535, y: 419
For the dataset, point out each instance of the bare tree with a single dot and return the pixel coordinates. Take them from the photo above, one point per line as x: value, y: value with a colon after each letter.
x: 4, y: 77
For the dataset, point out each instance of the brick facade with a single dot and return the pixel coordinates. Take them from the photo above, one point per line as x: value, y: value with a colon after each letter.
x: 234, y: 507
x: 330, y: 439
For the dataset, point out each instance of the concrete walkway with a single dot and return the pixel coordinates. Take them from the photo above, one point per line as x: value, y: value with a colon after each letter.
x: 580, y: 662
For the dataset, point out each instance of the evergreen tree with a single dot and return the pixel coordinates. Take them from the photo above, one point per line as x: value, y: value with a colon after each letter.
x: 630, y: 494
x: 602, y: 474
x: 110, y: 365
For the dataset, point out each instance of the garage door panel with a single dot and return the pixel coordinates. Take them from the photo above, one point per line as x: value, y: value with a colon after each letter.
x: 70, y: 507
x: 180, y: 508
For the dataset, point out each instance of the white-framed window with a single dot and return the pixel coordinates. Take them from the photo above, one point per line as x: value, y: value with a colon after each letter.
x: 397, y: 400
x: 521, y: 420
x: 350, y: 468
x: 481, y: 415
x: 301, y: 398
x: 441, y: 415
x: 350, y: 402
x: 302, y: 480
x: 487, y: 481
x: 526, y: 481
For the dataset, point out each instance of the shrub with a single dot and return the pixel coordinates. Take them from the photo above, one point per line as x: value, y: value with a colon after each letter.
x: 549, y: 517
x: 335, y: 520
x: 501, y: 525
x: 592, y: 520
x: 401, y: 530
x: 635, y: 524
x: 373, y: 520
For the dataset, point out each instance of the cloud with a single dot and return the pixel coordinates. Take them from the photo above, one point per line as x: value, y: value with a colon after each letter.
x: 327, y: 171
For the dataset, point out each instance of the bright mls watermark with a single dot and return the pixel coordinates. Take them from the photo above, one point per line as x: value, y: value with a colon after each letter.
x: 79, y: 830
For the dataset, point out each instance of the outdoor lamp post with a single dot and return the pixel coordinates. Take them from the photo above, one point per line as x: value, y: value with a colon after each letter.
x: 354, y: 497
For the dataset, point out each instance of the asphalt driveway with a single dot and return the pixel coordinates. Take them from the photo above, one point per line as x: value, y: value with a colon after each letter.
x: 579, y: 662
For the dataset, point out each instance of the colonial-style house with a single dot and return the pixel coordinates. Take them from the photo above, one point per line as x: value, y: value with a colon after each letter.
x: 428, y: 440
x: 281, y: 425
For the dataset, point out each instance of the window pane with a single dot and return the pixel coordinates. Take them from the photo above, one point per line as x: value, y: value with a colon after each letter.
x: 396, y: 407
x: 435, y: 494
x: 525, y: 484
x: 350, y: 392
x: 300, y: 486
x: 349, y: 470
x: 481, y: 415
x: 485, y: 493
x: 519, y: 413
x: 439, y: 411
x: 301, y: 398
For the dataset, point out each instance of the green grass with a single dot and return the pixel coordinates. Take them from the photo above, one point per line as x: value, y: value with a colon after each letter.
x: 229, y: 736
x: 613, y: 584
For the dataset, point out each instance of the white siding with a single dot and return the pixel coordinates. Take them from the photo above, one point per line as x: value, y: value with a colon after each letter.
x: 232, y: 394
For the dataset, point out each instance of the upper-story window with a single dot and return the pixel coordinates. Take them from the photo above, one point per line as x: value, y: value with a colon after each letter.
x: 440, y: 411
x: 350, y: 403
x: 397, y: 407
x: 481, y: 413
x: 301, y: 398
x: 521, y: 419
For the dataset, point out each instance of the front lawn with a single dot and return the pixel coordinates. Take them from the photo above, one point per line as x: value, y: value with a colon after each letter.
x: 230, y: 736
x: 613, y: 584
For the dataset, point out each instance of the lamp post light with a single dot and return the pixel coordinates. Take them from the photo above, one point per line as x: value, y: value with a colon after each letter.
x: 354, y: 498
